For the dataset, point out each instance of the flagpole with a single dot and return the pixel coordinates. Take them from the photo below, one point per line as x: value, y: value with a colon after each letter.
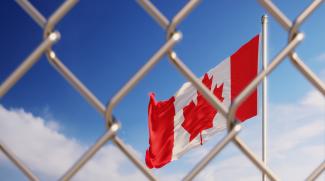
x: 264, y: 93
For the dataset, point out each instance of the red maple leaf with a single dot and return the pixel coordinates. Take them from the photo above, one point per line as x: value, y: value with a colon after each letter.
x: 199, y: 117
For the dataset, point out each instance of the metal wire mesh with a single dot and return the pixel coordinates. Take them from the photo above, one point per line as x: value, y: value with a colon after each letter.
x: 173, y: 36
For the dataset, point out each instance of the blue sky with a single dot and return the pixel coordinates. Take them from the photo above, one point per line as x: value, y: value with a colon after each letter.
x: 105, y: 42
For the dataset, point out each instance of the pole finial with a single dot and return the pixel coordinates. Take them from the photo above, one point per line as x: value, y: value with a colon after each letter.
x: 264, y: 18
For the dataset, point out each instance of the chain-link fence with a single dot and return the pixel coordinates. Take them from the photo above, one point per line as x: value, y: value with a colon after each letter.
x: 173, y: 36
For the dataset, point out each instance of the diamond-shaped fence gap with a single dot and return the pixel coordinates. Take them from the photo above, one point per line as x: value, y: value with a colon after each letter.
x: 280, y: 158
x: 140, y: 74
x: 229, y: 165
x: 62, y: 70
x: 145, y: 83
x: 306, y: 117
x: 137, y: 101
x: 104, y: 166
x: 288, y: 82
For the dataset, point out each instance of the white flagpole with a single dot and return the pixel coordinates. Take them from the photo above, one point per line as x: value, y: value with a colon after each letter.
x: 264, y: 92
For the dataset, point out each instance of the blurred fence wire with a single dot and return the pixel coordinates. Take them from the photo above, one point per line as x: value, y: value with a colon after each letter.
x: 173, y: 36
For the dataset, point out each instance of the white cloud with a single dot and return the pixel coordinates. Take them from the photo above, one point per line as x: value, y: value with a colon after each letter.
x: 109, y: 164
x: 314, y: 99
x: 322, y: 75
x: 298, y: 136
x: 234, y: 168
x: 52, y: 125
x: 320, y: 57
x: 304, y: 121
x: 49, y: 153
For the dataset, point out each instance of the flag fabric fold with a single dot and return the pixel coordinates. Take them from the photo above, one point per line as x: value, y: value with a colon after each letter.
x: 187, y: 120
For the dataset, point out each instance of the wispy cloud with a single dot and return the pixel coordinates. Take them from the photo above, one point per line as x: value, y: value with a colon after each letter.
x: 313, y: 99
x: 322, y: 75
x: 49, y: 153
x: 320, y: 57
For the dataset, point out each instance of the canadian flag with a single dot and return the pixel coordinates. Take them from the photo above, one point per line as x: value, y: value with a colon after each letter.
x: 187, y: 120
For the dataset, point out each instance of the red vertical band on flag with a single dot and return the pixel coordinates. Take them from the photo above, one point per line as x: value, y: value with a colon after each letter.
x: 244, y: 66
x: 161, y: 132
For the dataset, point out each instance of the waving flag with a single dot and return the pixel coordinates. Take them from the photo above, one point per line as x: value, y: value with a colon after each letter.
x: 187, y: 120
